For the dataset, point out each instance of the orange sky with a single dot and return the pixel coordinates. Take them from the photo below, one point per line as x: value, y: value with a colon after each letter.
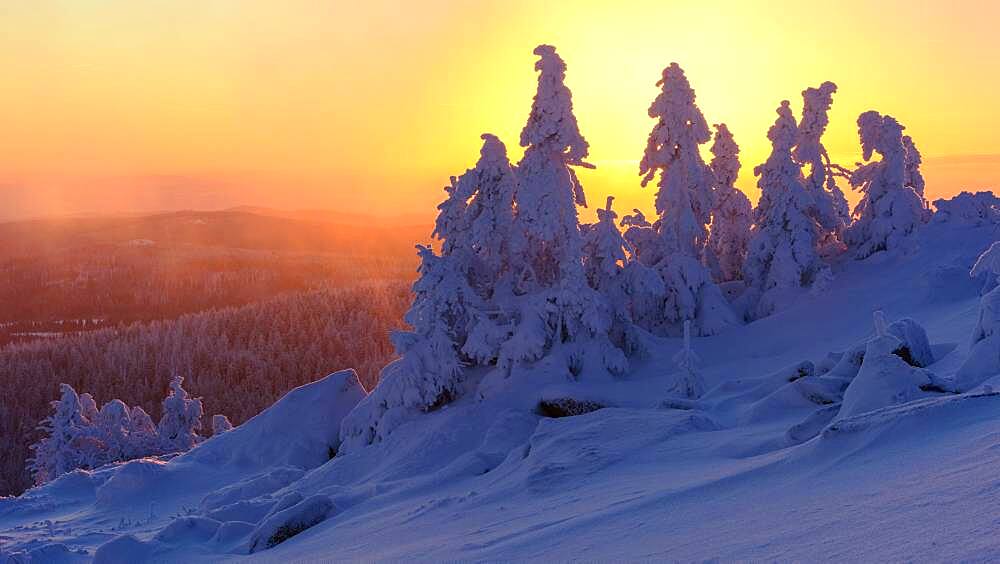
x: 371, y: 106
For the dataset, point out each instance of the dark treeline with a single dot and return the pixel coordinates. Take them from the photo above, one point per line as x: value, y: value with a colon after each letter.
x: 239, y: 359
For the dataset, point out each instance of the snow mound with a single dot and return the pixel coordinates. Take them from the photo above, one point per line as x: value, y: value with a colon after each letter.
x: 302, y: 429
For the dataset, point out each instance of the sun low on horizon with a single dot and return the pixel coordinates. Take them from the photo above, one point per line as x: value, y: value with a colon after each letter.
x: 119, y: 106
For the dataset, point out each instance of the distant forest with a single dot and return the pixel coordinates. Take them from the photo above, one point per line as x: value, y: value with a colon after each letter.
x: 244, y: 304
x: 239, y: 360
x: 71, y: 275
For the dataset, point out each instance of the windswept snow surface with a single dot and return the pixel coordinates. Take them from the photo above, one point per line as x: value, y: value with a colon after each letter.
x: 765, y: 465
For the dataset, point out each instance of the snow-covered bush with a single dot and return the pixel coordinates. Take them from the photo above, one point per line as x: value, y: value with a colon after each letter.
x: 181, y: 420
x: 732, y: 214
x: 782, y: 252
x: 684, y: 203
x: 969, y: 208
x: 220, y: 424
x: 889, y: 210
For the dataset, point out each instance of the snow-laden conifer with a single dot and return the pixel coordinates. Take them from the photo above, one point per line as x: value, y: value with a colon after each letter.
x: 889, y: 211
x: 685, y: 196
x: 474, y: 223
x: 429, y: 370
x: 181, y: 419
x: 113, y: 424
x: 58, y: 451
x: 782, y: 252
x: 829, y: 207
x: 732, y: 215
x: 613, y: 271
x: 688, y: 382
x: 142, y: 437
x: 554, y: 305
x: 684, y: 203
x: 548, y: 191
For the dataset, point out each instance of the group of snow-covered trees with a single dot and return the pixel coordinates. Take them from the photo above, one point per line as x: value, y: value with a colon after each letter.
x: 517, y: 277
x: 78, y: 435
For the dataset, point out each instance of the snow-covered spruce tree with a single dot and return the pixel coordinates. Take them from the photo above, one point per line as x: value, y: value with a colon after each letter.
x: 684, y: 202
x: 509, y: 285
x: 113, y: 424
x: 475, y: 220
x: 782, y: 252
x: 181, y: 419
x: 889, y: 211
x: 142, y: 437
x: 688, y: 383
x: 625, y: 283
x: 474, y: 225
x: 685, y: 196
x: 732, y: 214
x: 829, y: 208
x: 58, y: 451
x: 554, y: 305
x: 428, y: 372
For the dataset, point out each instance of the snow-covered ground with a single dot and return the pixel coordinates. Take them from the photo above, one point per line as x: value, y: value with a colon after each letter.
x: 766, y: 465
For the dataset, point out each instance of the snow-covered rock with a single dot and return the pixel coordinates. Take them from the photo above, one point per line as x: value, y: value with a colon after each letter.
x: 885, y: 379
x: 289, y: 522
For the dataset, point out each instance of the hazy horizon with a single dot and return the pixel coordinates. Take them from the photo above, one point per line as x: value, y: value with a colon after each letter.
x: 946, y: 176
x: 120, y: 106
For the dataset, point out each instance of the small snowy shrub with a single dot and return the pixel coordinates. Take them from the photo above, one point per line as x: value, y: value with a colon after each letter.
x: 220, y: 424
x: 688, y: 382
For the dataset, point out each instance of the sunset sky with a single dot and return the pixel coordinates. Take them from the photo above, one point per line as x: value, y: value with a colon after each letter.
x: 119, y: 105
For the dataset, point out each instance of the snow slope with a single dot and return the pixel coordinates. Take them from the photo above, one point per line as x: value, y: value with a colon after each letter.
x: 764, y: 466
